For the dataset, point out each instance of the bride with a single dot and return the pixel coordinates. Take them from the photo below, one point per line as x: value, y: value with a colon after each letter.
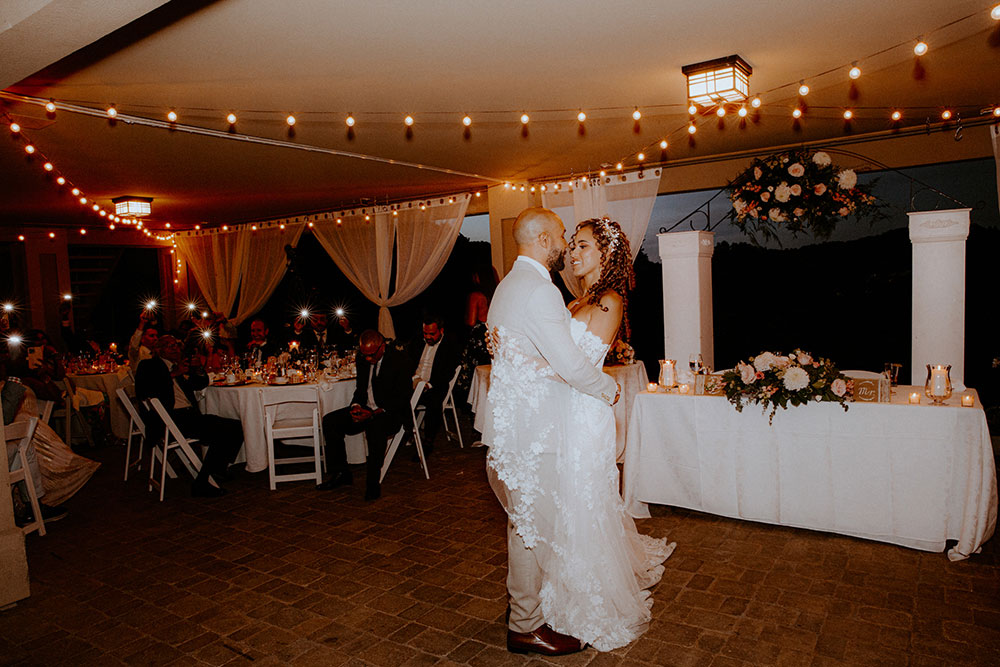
x: 601, y: 567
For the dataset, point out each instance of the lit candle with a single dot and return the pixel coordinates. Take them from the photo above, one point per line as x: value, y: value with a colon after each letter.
x: 684, y: 388
x: 652, y: 387
x: 939, y: 381
x: 968, y: 401
x: 114, y: 347
x: 915, y: 398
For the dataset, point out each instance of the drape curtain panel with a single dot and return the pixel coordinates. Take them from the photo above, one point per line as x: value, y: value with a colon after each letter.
x: 264, y: 266
x: 423, y: 240
x: 217, y: 261
x: 627, y: 198
x: 995, y: 136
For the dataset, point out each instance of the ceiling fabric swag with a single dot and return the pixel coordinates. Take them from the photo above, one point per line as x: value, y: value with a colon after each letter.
x: 626, y: 198
x: 217, y: 261
x: 362, y: 249
x: 264, y: 266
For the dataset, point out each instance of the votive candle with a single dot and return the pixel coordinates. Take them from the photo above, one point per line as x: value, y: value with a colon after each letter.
x: 915, y: 398
x: 968, y: 401
x: 652, y: 387
x: 684, y: 389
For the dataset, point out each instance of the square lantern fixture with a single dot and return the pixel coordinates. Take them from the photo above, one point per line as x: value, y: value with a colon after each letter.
x: 133, y: 207
x: 720, y: 81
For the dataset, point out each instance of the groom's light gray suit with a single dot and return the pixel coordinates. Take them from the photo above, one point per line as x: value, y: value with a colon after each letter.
x: 536, y: 362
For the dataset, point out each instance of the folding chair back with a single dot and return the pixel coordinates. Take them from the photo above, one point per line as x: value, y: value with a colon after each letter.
x: 45, y: 410
x: 21, y: 432
x: 398, y: 439
x: 278, y: 427
x: 136, y: 428
x: 173, y: 440
x: 449, y: 404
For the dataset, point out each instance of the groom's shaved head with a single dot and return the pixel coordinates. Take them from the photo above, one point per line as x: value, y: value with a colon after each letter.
x: 532, y: 222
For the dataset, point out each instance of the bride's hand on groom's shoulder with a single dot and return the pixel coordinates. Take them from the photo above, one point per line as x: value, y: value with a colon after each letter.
x: 492, y: 340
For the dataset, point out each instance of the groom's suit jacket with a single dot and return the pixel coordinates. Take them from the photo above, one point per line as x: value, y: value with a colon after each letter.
x: 528, y: 309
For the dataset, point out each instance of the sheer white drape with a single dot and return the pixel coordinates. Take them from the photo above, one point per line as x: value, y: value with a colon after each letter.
x: 264, y: 266
x: 995, y: 136
x: 217, y: 260
x: 363, y: 249
x: 627, y: 198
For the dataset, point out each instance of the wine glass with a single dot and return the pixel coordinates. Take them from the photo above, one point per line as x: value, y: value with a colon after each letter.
x: 696, y: 363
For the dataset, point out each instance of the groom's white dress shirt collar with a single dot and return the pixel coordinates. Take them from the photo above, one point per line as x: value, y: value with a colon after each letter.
x: 535, y: 264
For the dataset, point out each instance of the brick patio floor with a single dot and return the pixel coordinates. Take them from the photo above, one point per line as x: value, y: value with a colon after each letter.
x: 303, y: 577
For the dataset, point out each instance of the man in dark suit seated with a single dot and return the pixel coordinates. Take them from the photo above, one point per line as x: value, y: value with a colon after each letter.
x: 261, y: 348
x: 380, y: 407
x: 166, y: 376
x: 436, y: 357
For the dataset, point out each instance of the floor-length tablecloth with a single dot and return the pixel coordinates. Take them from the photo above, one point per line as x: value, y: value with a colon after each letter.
x: 914, y: 475
x: 632, y: 379
x: 108, y: 384
x: 243, y: 403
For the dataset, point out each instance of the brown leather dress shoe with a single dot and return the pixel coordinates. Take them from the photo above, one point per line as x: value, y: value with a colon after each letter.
x: 543, y: 640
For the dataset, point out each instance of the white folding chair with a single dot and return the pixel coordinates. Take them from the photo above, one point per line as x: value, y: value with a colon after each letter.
x: 136, y: 427
x: 398, y: 438
x: 68, y: 413
x: 280, y: 428
x: 45, y: 410
x: 173, y: 440
x: 449, y: 404
x: 21, y: 432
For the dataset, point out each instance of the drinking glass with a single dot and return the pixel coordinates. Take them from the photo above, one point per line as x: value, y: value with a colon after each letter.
x: 696, y: 363
x: 892, y: 372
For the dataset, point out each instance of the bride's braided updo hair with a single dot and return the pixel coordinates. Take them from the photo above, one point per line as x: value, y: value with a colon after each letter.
x: 617, y: 273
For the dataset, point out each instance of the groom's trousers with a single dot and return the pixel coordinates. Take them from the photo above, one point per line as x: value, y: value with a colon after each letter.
x: 524, y: 571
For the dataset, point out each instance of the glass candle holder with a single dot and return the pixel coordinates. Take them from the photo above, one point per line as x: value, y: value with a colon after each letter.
x: 652, y: 387
x: 968, y: 401
x: 668, y: 373
x: 938, y: 384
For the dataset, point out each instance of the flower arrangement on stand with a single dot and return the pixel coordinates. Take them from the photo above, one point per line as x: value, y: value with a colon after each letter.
x: 621, y: 353
x: 773, y: 380
x: 799, y: 191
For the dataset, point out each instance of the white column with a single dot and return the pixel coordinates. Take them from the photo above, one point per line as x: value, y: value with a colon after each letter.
x: 687, y: 295
x: 505, y: 205
x: 938, y: 239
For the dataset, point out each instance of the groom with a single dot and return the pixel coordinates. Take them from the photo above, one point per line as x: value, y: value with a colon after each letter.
x: 534, y: 365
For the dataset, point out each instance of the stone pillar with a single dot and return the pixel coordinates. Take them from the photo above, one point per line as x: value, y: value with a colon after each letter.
x: 505, y: 205
x: 687, y: 295
x: 938, y: 333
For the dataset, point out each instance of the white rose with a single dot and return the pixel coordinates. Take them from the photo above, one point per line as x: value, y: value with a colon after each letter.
x: 796, y: 379
x: 747, y: 373
x: 764, y: 361
x: 805, y: 358
x: 757, y: 173
x: 796, y: 190
x: 776, y: 215
x: 739, y: 205
x: 822, y: 159
x: 765, y: 196
x: 847, y: 179
x: 783, y: 192
x: 796, y: 170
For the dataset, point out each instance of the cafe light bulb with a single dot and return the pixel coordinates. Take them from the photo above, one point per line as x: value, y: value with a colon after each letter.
x: 803, y: 88
x: 467, y: 121
x: 996, y: 112
x: 946, y: 115
x: 20, y: 237
x: 29, y: 149
x: 797, y: 113
x: 231, y: 119
x: 640, y: 157
x: 172, y: 116
x: 76, y: 192
x: 692, y: 109
x: 50, y: 107
x: 663, y: 145
x: 995, y: 13
x: 636, y: 115
x: 349, y: 120
x: 755, y: 102
x: 581, y: 116
x: 83, y: 200
x: 742, y: 112
x: 290, y: 120
x: 52, y: 235
x: 408, y: 121
x: 692, y: 128
x: 525, y: 118
x: 920, y: 48
x: 112, y: 111
x: 896, y: 115
x: 48, y: 166
x: 848, y: 114
x: 618, y: 166
x: 720, y: 112
x: 855, y: 72
x: 15, y: 128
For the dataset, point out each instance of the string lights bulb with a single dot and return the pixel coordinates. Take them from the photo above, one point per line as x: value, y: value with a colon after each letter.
x: 172, y: 116
x: 83, y: 232
x: 52, y: 235
x: 83, y: 200
x: 50, y: 107
x: 61, y: 180
x: 897, y: 114
x: 467, y: 120
x: 111, y: 226
x: 803, y: 88
x: 636, y: 115
x: 96, y: 208
x: 20, y: 237
x: 663, y: 145
x: 48, y: 166
x: 29, y: 149
x: 15, y: 128
x: 742, y: 112
x: 996, y: 110
x: 692, y: 128
x: 797, y: 113
x: 946, y: 114
x: 640, y: 157
x: 112, y: 111
x: 995, y: 13
x: 619, y: 166
x: 720, y: 112
x: 848, y: 114
x: 755, y: 102
x: 349, y: 120
x: 692, y: 110
x: 581, y: 116
x: 290, y: 120
x: 525, y: 118
x: 920, y: 48
x: 231, y: 119
x: 408, y: 121
x: 855, y: 71
x: 75, y: 192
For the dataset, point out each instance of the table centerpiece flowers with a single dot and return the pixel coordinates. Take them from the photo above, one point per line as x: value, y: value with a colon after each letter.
x: 620, y: 354
x: 773, y: 380
x: 800, y: 191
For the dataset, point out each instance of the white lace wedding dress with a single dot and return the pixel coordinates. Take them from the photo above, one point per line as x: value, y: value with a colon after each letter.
x: 595, y: 583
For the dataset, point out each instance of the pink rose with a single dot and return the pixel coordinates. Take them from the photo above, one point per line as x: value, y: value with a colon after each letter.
x: 799, y: 212
x: 844, y: 211
x: 805, y: 359
x: 747, y: 374
x: 819, y: 189
x: 839, y: 387
x: 757, y: 173
x: 796, y: 190
x: 796, y: 170
x: 765, y: 196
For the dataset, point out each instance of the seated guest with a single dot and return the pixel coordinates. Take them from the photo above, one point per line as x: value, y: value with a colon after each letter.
x: 206, y: 355
x: 41, y: 368
x: 380, y: 406
x: 437, y: 356
x: 166, y: 376
x: 317, y: 337
x: 260, y: 348
x: 344, y: 335
x: 140, y: 346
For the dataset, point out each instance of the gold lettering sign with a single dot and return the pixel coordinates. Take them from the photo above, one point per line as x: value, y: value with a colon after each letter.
x: 866, y: 391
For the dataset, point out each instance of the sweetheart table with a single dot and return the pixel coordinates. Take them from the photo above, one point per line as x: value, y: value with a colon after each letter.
x: 243, y: 403
x: 913, y: 475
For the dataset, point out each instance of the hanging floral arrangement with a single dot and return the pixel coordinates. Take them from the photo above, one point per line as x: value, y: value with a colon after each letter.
x: 799, y: 191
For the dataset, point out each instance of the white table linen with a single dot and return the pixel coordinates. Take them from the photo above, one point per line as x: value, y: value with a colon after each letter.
x: 243, y: 403
x: 108, y: 384
x: 632, y: 378
x: 913, y: 475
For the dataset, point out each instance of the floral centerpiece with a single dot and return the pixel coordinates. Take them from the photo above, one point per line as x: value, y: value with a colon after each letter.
x: 773, y: 380
x: 800, y: 191
x: 620, y: 354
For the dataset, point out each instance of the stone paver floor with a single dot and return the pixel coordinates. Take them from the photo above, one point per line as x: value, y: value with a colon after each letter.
x: 302, y: 577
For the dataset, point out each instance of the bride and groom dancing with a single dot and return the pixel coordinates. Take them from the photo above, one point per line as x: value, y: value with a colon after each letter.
x: 578, y: 571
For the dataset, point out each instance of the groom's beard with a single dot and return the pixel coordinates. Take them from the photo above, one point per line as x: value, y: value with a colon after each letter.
x: 556, y: 260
